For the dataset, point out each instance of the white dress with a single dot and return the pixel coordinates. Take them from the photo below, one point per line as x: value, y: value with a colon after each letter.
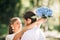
x: 33, y: 34
x: 10, y: 37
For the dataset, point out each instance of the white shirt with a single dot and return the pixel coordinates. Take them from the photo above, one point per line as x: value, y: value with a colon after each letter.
x: 33, y: 34
x: 10, y: 37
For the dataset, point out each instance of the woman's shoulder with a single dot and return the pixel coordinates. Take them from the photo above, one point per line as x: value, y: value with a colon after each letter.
x: 10, y: 36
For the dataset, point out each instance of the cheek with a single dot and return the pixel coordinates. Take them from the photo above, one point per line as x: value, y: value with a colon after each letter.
x: 15, y: 25
x: 28, y: 22
x: 18, y: 25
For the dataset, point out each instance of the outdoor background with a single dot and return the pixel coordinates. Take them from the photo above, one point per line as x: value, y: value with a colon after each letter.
x: 12, y: 8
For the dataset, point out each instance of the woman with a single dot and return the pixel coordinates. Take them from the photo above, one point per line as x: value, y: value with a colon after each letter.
x: 15, y: 26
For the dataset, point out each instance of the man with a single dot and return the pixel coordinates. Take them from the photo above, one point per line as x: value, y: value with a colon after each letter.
x: 35, y: 33
x: 32, y: 29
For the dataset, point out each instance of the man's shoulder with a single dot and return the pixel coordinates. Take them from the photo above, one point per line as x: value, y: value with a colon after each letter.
x: 33, y: 34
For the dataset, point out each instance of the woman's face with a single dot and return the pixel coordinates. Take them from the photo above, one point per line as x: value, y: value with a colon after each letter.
x: 16, y: 26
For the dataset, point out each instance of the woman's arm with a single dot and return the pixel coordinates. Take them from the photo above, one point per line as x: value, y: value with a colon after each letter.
x: 19, y: 35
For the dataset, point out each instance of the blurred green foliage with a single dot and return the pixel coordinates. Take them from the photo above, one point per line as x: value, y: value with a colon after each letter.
x: 8, y: 9
x: 57, y: 27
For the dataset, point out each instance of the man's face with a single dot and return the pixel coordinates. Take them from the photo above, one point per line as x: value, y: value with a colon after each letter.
x: 27, y: 22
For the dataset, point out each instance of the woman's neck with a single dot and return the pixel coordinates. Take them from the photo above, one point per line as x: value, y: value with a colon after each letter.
x: 15, y: 31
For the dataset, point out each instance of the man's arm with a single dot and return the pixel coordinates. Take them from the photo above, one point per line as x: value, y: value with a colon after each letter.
x: 19, y: 35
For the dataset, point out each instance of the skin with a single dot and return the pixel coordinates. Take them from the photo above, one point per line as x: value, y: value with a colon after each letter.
x: 16, y: 26
x: 38, y: 22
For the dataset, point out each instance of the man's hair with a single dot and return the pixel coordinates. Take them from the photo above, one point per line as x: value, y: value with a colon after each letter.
x: 29, y: 15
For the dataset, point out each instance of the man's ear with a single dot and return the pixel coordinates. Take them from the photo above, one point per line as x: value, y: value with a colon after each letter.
x: 29, y: 20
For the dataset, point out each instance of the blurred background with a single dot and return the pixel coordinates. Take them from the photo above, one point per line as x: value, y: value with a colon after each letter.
x: 12, y: 8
